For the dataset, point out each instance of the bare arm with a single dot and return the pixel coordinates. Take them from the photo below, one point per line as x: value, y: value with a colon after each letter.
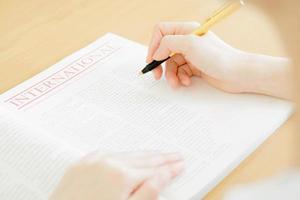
x: 265, y: 74
x: 218, y: 63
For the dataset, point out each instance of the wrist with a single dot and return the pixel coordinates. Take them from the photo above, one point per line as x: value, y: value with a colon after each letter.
x: 248, y: 75
x: 263, y: 74
x: 237, y: 77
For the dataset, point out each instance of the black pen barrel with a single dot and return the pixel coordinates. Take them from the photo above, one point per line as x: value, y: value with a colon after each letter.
x: 154, y: 64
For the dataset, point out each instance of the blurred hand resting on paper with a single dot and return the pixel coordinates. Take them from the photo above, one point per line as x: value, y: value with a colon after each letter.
x: 216, y: 62
x: 124, y: 176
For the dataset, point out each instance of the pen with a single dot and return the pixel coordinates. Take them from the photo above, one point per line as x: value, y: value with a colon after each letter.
x: 218, y: 15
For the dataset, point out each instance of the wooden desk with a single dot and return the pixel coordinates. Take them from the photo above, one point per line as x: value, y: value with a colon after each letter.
x: 35, y: 34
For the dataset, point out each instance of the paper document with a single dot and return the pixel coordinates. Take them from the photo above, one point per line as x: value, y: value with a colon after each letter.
x: 95, y: 100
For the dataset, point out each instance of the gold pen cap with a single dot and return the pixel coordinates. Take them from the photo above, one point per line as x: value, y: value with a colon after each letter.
x: 220, y: 14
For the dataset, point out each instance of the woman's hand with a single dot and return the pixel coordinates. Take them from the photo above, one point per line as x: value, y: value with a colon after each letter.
x: 207, y: 57
x: 125, y: 176
x: 221, y: 65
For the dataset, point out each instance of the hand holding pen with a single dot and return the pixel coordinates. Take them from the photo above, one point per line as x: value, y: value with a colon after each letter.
x: 207, y: 57
x: 218, y: 16
x: 188, y: 55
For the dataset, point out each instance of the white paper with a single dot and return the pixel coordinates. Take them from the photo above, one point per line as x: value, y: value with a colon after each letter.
x: 31, y: 161
x: 94, y: 99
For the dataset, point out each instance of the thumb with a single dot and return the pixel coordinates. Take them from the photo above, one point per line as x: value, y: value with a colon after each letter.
x: 150, y: 190
x: 172, y: 44
x: 152, y: 187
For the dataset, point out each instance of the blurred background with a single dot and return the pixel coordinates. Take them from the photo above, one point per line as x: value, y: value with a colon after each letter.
x: 34, y: 34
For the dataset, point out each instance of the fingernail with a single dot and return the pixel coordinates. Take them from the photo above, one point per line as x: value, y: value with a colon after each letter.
x: 175, y: 157
x: 157, y: 77
x: 186, y: 82
x: 178, y: 168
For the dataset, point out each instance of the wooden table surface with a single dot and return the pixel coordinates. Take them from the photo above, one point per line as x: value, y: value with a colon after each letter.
x: 34, y: 34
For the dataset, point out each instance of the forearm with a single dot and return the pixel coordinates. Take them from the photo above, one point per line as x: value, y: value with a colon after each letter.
x: 266, y: 74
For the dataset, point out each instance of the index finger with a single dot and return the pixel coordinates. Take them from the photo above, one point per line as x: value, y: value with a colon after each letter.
x: 168, y: 28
